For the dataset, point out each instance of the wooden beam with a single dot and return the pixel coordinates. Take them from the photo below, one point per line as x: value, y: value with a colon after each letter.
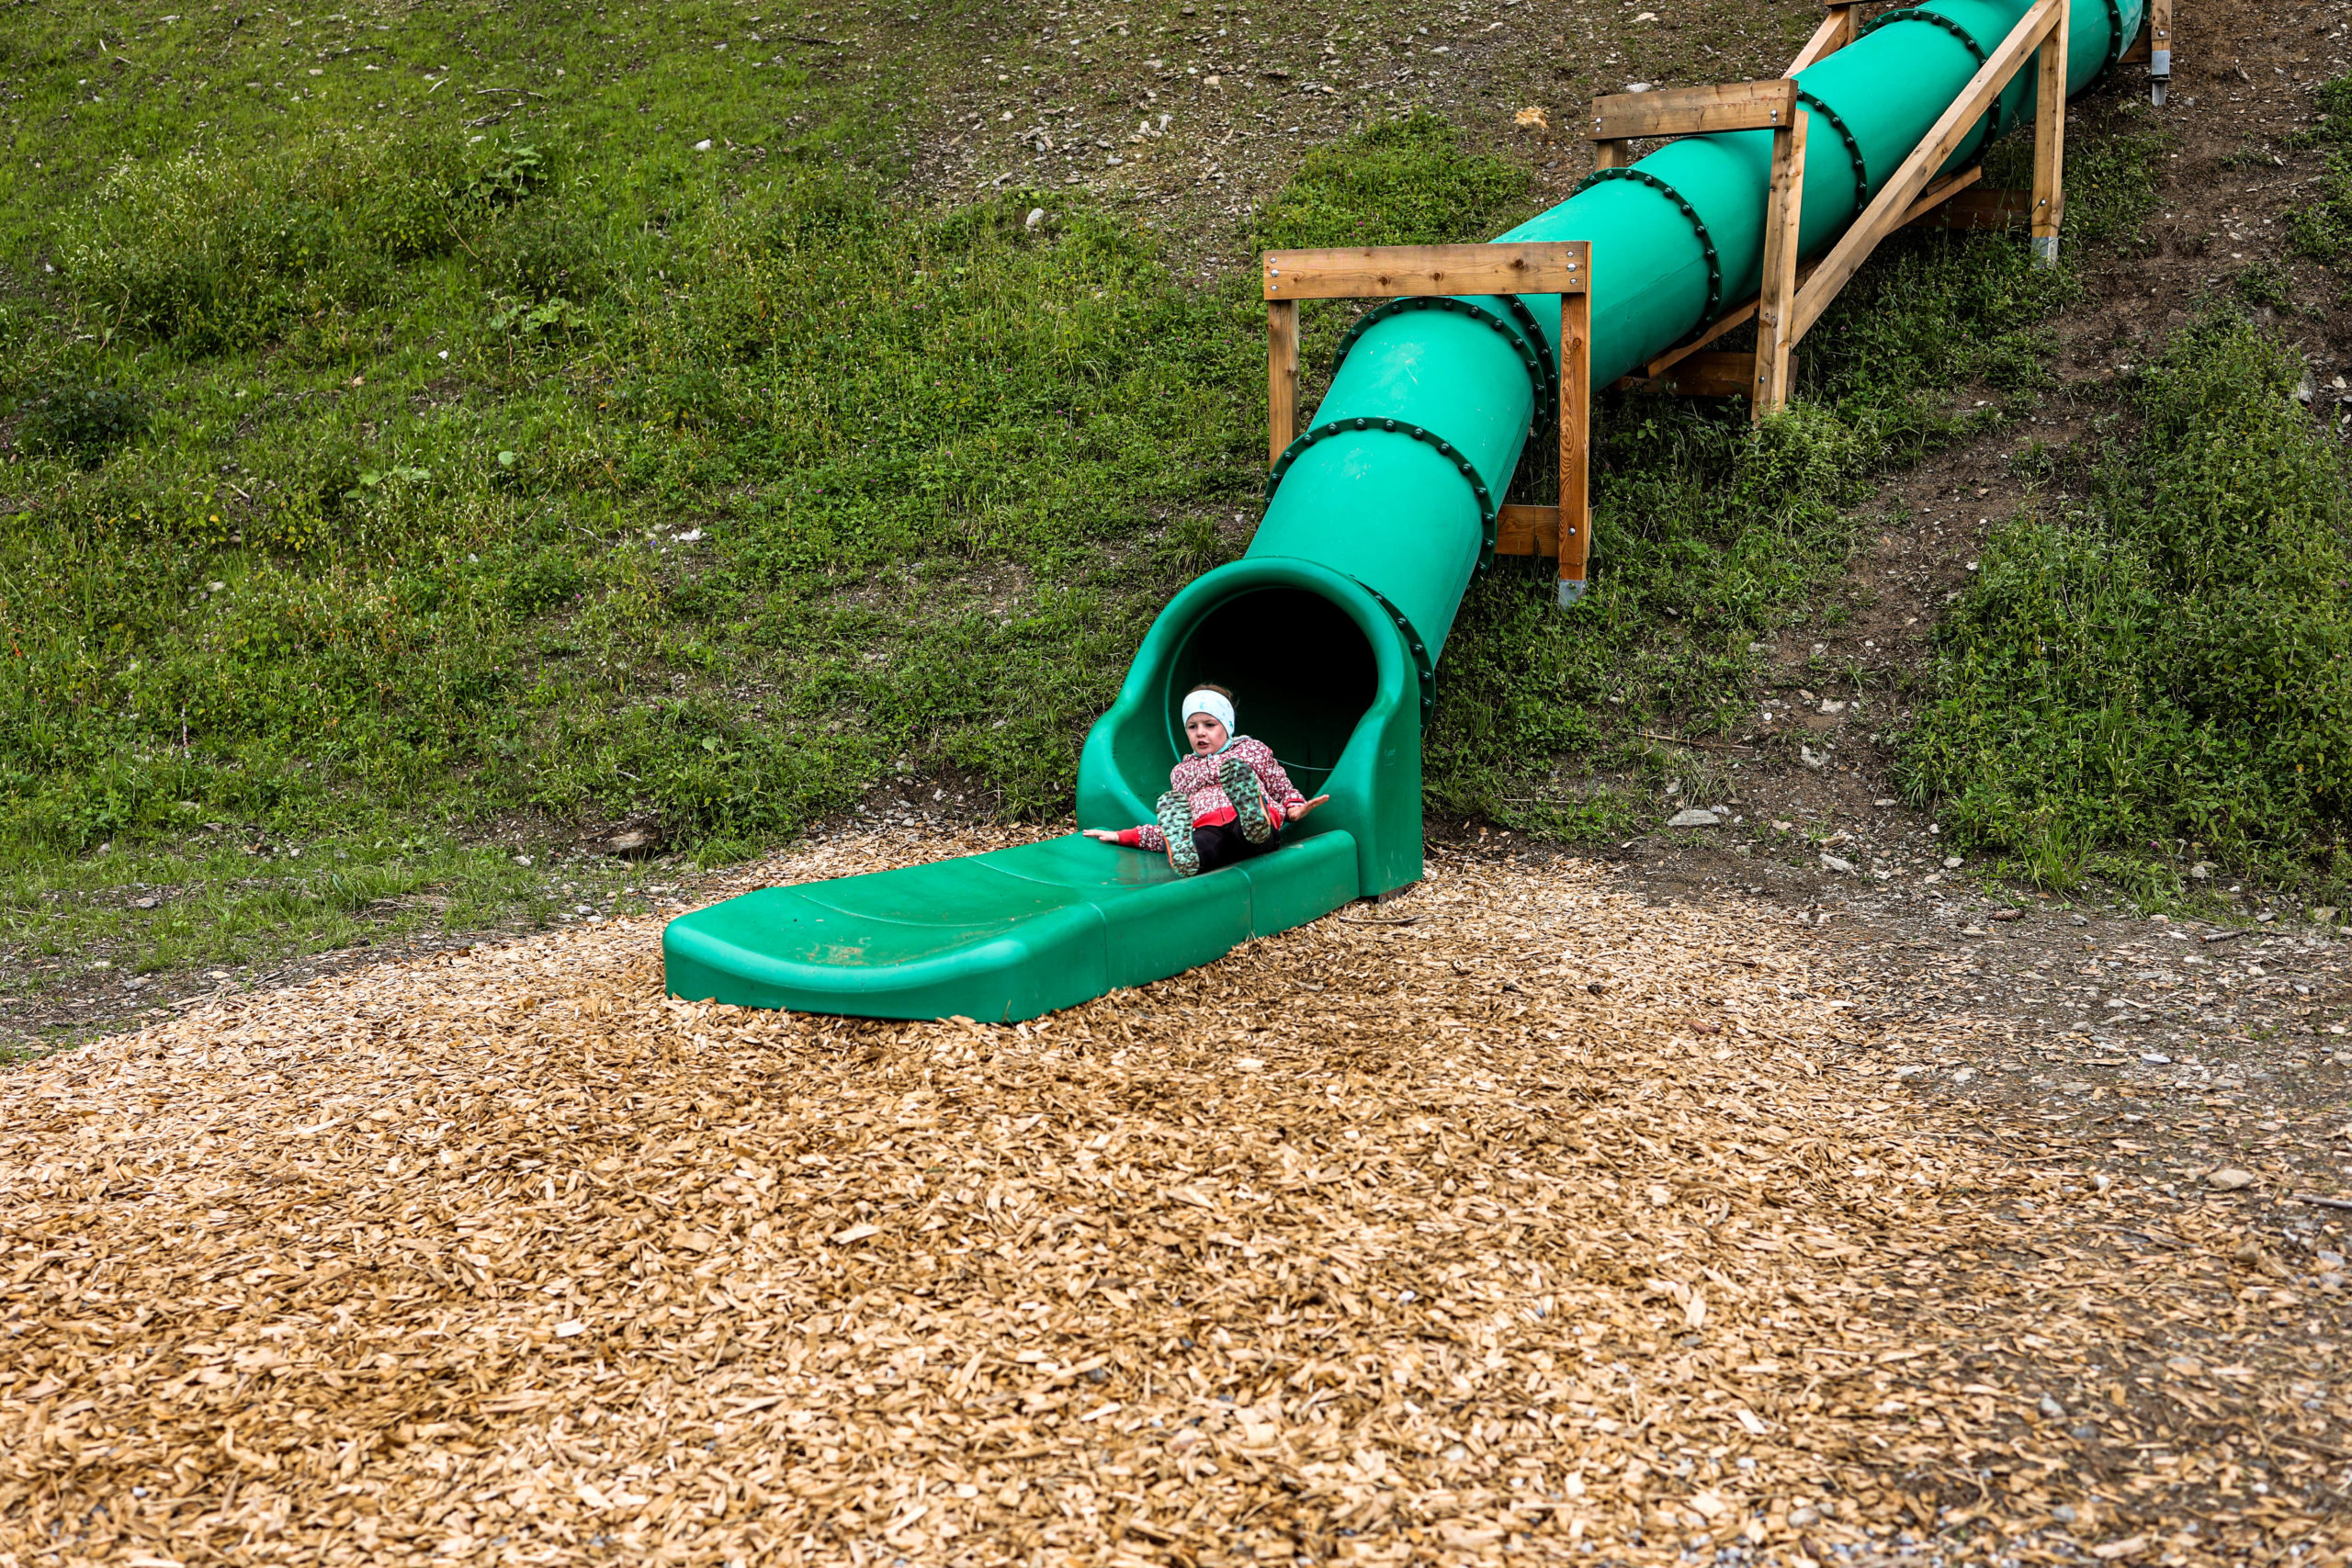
x: 1575, y: 517
x: 1700, y: 376
x: 1609, y: 154
x: 1527, y: 530
x: 1980, y: 209
x: 1282, y: 377
x: 1909, y: 181
x: 1836, y: 31
x: 2050, y: 143
x: 1995, y: 207
x: 1943, y: 190
x: 1692, y: 111
x: 1783, y: 211
x: 1546, y: 267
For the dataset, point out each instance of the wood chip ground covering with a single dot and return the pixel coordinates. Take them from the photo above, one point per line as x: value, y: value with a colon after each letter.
x: 1510, y: 1219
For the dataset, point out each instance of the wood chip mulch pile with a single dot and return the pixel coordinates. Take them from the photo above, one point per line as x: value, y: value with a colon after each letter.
x: 1513, y: 1217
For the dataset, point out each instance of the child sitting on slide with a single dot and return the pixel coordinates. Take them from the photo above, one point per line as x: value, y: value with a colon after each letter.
x: 1227, y: 801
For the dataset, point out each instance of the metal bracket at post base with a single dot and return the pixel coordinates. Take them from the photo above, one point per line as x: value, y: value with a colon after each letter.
x: 1571, y: 590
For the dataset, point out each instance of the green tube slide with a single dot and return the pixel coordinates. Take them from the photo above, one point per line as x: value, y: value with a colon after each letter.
x: 1329, y: 630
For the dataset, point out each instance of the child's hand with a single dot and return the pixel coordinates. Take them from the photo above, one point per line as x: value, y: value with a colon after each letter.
x: 1300, y: 808
x: 1105, y: 834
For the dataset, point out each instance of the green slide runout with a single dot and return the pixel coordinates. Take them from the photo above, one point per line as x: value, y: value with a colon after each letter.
x: 1328, y: 629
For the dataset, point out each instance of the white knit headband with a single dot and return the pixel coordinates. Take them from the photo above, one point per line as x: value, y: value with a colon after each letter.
x: 1209, y: 702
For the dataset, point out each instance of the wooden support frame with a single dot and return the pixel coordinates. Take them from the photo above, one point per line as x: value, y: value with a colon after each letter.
x: 1894, y: 204
x: 1769, y: 105
x: 1561, y: 267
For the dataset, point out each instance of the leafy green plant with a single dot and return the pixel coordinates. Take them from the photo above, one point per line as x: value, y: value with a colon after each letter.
x: 2169, y: 664
x: 81, y: 420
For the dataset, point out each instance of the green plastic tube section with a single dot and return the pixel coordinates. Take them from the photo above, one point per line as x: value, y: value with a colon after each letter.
x: 1395, y: 479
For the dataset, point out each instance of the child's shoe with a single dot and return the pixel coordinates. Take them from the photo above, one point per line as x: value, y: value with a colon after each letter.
x: 1175, y: 814
x: 1239, y: 781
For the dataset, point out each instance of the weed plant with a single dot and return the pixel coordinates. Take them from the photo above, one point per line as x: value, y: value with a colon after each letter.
x: 2165, y: 670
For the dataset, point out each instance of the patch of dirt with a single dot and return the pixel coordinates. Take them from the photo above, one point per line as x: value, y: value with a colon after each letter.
x: 1519, y: 1215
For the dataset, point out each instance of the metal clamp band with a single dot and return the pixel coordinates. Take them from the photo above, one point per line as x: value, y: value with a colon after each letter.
x: 1528, y: 342
x: 1488, y: 504
x: 1916, y: 13
x: 1698, y: 227
x: 2116, y: 43
x: 1853, y: 147
x: 1421, y: 664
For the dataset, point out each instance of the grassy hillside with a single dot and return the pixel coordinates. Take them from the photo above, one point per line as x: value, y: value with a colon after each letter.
x: 438, y: 434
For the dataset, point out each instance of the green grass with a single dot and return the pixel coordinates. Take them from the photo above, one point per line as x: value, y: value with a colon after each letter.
x: 2320, y: 227
x: 2162, y: 671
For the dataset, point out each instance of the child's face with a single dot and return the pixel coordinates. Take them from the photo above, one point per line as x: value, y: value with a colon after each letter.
x: 1207, y: 734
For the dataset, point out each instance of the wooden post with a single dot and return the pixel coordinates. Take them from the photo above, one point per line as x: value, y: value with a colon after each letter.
x: 2050, y: 143
x: 1608, y: 154
x: 1282, y: 377
x: 1836, y: 31
x: 1575, y: 414
x: 2159, y: 49
x: 1784, y: 209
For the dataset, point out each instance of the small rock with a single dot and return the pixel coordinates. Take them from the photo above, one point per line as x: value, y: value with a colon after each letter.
x: 2229, y: 1178
x: 704, y: 145
x: 1695, y: 818
x: 1036, y: 216
x: 1637, y: 86
x: 2052, y: 1408
x: 2064, y: 1513
x: 1952, y: 863
x: 1831, y: 863
x: 144, y: 903
x: 1832, y: 709
x: 1966, y: 1075
x: 2323, y: 915
x: 2203, y: 870
x: 1811, y: 758
x: 2009, y: 914
x: 2085, y: 1433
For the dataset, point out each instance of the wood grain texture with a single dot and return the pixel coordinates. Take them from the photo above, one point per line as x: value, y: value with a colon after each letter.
x: 1691, y: 111
x: 1783, y: 208
x: 1836, y: 31
x: 2050, y: 143
x: 1718, y: 375
x: 1527, y: 530
x: 1282, y: 377
x: 1910, y: 180
x: 1575, y: 516
x: 1416, y: 271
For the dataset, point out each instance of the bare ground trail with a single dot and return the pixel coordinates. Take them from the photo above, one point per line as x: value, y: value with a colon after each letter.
x: 1515, y: 1217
